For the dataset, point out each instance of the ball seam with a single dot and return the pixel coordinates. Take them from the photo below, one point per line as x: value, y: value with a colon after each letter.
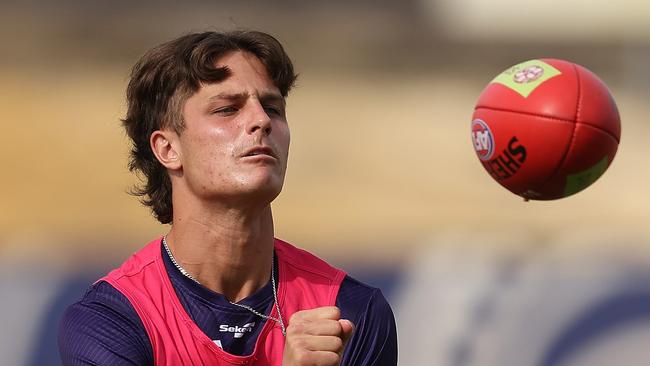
x: 562, y: 162
x: 556, y: 119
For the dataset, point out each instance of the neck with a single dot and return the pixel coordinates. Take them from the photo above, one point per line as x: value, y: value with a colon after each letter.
x: 227, y: 250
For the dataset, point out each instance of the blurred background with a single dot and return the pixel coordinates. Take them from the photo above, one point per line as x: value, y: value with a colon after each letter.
x: 383, y: 180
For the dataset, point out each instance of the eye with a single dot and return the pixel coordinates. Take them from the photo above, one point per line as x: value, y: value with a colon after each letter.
x: 273, y: 110
x: 225, y: 111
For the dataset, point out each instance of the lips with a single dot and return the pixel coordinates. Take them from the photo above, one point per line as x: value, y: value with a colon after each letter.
x: 259, y: 150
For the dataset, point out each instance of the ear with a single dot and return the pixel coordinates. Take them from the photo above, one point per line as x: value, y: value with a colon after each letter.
x: 164, y: 144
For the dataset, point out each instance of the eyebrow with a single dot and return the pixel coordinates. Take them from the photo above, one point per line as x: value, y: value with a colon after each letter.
x: 264, y: 97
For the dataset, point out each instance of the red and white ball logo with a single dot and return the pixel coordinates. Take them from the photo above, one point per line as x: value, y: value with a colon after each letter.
x: 529, y: 74
x: 483, y: 139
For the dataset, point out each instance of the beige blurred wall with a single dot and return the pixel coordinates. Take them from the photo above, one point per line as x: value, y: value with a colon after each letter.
x: 381, y: 158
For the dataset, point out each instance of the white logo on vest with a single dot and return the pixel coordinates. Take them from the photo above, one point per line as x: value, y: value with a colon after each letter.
x: 239, y: 331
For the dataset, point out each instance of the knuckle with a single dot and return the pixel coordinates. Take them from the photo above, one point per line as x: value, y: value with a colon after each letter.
x: 331, y: 312
x: 331, y: 327
x: 337, y: 328
x: 331, y: 358
x: 337, y: 343
x: 303, y: 357
x: 296, y: 317
x: 297, y: 328
x: 300, y: 343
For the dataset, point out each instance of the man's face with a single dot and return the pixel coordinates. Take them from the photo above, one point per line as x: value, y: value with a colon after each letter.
x: 236, y: 139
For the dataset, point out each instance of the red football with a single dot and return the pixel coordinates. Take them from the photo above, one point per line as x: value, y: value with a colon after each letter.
x: 546, y: 129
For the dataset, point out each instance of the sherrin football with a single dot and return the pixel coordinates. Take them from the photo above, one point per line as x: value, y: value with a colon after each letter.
x: 546, y: 129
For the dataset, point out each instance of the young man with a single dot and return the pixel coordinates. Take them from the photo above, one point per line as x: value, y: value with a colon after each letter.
x: 206, y: 115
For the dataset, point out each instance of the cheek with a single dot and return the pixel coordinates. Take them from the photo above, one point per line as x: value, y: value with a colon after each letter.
x: 206, y: 154
x: 284, y: 139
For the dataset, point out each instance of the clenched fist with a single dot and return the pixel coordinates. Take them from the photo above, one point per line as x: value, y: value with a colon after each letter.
x: 316, y: 337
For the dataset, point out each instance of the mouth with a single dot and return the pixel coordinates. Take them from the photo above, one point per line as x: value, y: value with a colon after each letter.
x: 259, y: 151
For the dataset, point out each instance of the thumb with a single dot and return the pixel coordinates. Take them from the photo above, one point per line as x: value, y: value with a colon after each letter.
x: 348, y: 329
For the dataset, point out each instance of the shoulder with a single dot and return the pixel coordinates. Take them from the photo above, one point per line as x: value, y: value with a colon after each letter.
x: 363, y: 302
x: 103, y: 329
x: 138, y: 261
x: 374, y: 341
x: 304, y: 260
x: 307, y: 272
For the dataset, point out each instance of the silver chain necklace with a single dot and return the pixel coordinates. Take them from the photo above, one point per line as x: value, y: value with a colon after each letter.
x: 247, y: 307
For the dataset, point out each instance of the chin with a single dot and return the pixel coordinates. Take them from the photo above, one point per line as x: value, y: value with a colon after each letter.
x: 264, y: 188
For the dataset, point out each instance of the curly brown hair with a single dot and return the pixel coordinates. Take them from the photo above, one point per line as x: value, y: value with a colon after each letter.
x: 162, y: 81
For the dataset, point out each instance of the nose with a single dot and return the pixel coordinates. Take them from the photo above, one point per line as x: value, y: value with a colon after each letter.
x: 259, y: 120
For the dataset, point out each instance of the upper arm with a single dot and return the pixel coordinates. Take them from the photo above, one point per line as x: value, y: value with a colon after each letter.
x: 374, y: 341
x: 103, y: 329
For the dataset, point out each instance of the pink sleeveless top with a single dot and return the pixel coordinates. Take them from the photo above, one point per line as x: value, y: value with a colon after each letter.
x: 305, y: 282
